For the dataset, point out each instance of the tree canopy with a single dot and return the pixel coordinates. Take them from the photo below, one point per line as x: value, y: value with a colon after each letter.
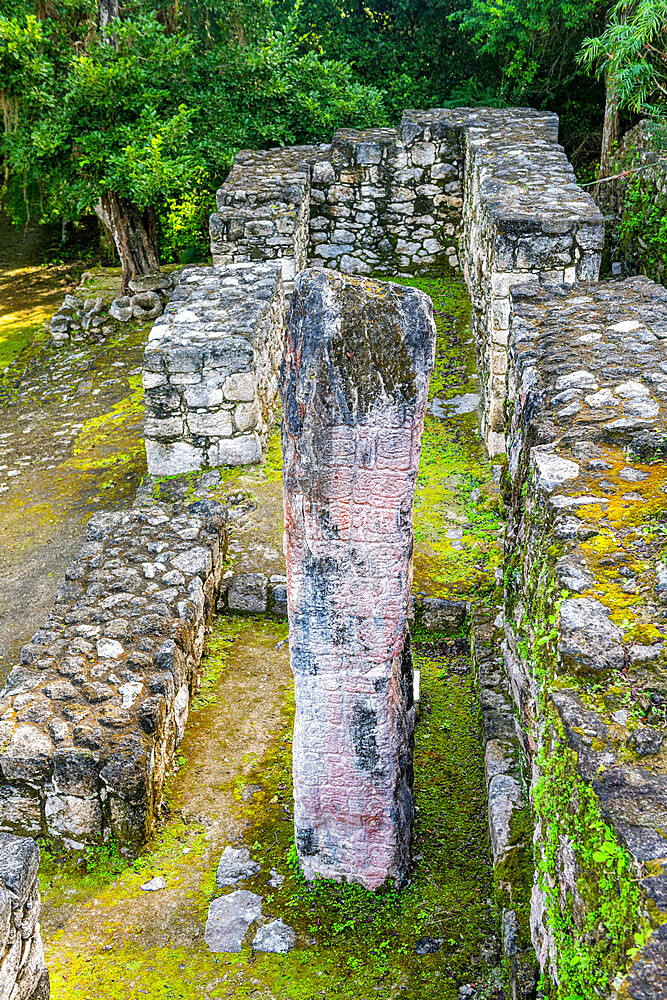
x: 134, y: 110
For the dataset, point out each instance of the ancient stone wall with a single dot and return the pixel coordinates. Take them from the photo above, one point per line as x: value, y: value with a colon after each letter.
x: 509, y: 818
x: 388, y: 200
x: 23, y: 974
x: 489, y: 190
x: 211, y: 369
x: 263, y: 209
x: 92, y: 714
x: 358, y: 360
x: 524, y: 216
x: 586, y: 621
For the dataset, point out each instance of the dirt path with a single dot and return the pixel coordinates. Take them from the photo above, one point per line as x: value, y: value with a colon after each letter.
x: 70, y: 437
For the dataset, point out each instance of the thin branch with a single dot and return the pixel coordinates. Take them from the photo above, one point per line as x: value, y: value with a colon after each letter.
x: 624, y: 173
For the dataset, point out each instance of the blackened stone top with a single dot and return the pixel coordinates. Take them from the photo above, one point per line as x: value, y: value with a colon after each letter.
x: 377, y: 361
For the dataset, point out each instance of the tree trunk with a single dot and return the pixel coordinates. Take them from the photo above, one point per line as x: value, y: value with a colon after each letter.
x: 107, y: 10
x: 134, y: 234
x: 610, y: 128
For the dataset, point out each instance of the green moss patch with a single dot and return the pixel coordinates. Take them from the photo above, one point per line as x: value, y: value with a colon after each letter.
x: 599, y: 927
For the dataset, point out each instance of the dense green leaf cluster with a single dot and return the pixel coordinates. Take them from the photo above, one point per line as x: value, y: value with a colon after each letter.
x: 152, y: 107
x: 155, y: 110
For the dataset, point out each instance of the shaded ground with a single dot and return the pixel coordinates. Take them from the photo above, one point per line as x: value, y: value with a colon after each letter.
x: 29, y: 291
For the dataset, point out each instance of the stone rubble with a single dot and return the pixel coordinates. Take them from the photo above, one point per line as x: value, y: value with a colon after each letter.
x: 235, y: 864
x: 78, y: 319
x: 23, y: 973
x: 274, y: 936
x: 229, y: 918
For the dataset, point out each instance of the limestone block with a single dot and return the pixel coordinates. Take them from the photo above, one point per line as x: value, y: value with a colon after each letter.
x: 73, y: 818
x: 172, y: 458
x: 352, y: 265
x: 368, y: 152
x: 245, y: 416
x: 248, y: 592
x: 229, y: 918
x: 245, y: 449
x: 211, y: 424
x: 323, y: 172
x: 423, y: 154
x: 240, y: 387
x: 203, y: 394
x: 170, y: 427
x: 151, y: 380
x: 359, y: 355
x: 121, y: 309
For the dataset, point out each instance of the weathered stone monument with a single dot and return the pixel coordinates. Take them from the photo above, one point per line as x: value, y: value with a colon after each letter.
x: 358, y: 358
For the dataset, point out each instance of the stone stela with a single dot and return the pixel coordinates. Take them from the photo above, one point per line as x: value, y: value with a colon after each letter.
x: 358, y: 358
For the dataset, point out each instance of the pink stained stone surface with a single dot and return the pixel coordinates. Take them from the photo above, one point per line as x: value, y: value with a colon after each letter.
x: 358, y: 358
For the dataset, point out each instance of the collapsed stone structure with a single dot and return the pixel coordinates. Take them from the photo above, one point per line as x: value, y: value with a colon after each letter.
x: 81, y: 317
x: 358, y: 360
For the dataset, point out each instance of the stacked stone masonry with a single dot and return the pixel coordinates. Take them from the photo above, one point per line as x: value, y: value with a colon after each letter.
x: 23, y: 974
x: 93, y: 712
x: 587, y: 486
x: 91, y: 716
x: 486, y: 189
x: 211, y: 369
x: 263, y: 209
x: 523, y: 216
x: 508, y: 816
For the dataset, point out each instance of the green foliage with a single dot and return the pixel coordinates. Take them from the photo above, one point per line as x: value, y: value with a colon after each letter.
x: 157, y: 116
x: 643, y: 227
x: 414, y: 52
x: 183, y: 223
x: 631, y: 50
x: 597, y: 938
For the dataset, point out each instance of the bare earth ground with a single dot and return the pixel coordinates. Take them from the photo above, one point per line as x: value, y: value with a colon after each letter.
x: 70, y: 438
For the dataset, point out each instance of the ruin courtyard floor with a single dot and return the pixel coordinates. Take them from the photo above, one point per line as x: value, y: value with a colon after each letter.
x: 70, y: 444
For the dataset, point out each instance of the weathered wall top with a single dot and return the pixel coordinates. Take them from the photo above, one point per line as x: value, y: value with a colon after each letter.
x: 211, y: 368
x: 263, y: 207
